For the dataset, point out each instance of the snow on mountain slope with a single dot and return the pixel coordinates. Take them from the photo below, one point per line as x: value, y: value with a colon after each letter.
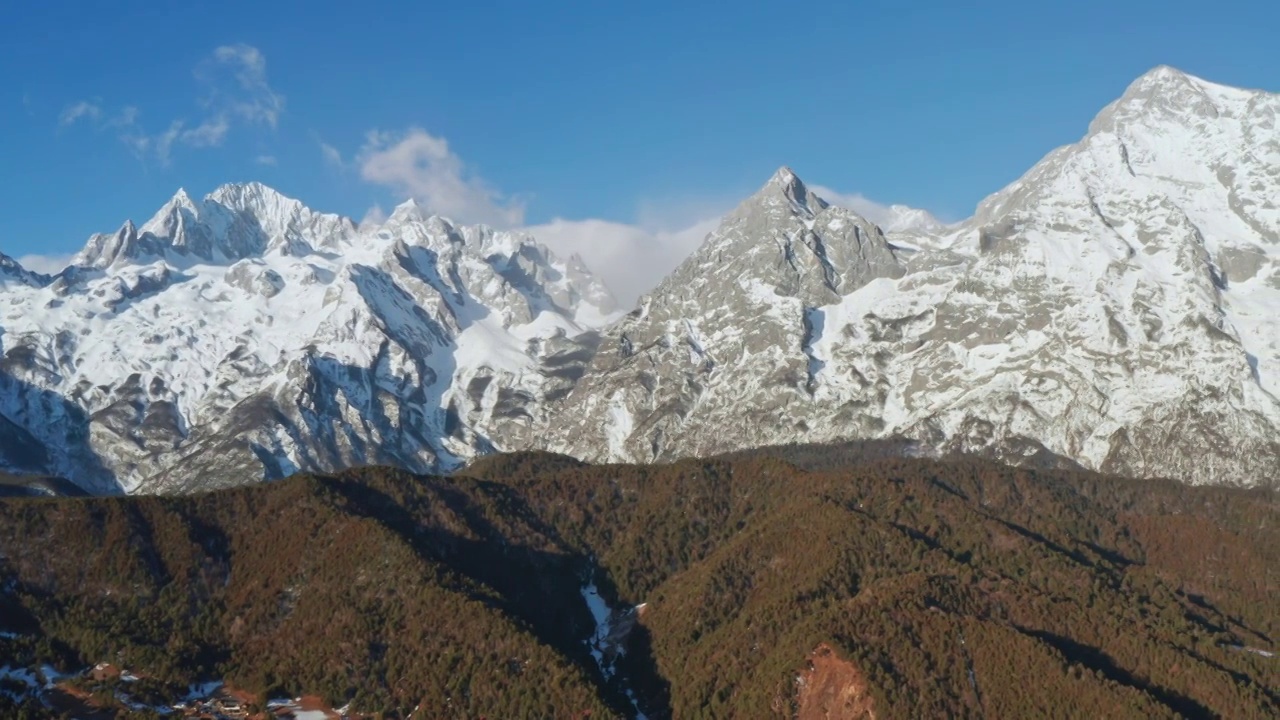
x: 246, y: 335
x: 1115, y: 306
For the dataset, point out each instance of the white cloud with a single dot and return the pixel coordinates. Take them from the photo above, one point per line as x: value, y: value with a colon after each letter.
x: 633, y: 259
x: 126, y: 118
x: 629, y: 259
x: 251, y: 96
x: 92, y: 113
x: 48, y: 264
x: 374, y: 217
x: 235, y: 91
x: 209, y: 133
x: 888, y: 217
x: 163, y: 142
x: 138, y: 143
x: 268, y: 160
x: 331, y: 155
x: 420, y: 165
x: 81, y: 110
x: 876, y: 212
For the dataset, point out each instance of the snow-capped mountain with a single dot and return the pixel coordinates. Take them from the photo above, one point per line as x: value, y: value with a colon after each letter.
x: 246, y: 335
x: 1116, y: 306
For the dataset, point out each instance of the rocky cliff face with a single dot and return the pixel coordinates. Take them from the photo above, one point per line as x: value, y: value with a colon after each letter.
x: 1114, y: 308
x: 720, y: 356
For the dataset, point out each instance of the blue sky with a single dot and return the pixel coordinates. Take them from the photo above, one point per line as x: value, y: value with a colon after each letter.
x: 656, y: 114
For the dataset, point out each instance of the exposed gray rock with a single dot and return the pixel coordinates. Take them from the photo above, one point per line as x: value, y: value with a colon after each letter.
x: 1117, y: 306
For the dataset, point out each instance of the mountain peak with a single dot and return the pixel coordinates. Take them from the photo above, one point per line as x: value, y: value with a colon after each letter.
x: 785, y: 180
x: 181, y: 198
x: 785, y: 185
x: 784, y: 176
x: 407, y: 211
x: 270, y: 207
x: 1162, y: 75
x: 1161, y: 95
x: 181, y: 201
x: 234, y: 193
x: 1163, y: 83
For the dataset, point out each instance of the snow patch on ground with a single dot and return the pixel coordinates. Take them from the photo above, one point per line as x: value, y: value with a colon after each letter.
x: 620, y: 425
x: 604, y: 618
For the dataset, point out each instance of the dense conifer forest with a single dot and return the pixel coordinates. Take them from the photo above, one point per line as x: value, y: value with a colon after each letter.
x: 791, y: 582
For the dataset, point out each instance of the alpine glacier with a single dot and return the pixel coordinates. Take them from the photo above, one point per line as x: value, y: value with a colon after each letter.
x: 1116, y: 308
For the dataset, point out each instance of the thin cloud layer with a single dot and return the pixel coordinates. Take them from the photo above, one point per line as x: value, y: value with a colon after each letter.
x: 420, y: 165
x: 233, y: 89
x: 888, y: 217
x: 236, y: 81
x: 373, y: 218
x: 82, y: 110
x: 877, y: 213
x: 332, y: 156
x: 47, y: 264
x: 629, y: 259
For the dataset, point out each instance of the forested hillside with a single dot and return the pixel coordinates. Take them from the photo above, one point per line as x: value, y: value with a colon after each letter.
x: 802, y: 581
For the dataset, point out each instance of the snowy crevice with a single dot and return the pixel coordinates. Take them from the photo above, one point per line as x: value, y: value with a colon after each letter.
x: 814, y: 325
x: 608, y: 638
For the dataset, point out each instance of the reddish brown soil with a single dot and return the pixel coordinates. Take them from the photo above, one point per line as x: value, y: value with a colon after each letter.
x: 833, y: 689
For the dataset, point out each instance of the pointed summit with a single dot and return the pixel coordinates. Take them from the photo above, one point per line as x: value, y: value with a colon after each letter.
x: 250, y: 196
x: 181, y: 200
x: 784, y: 177
x: 169, y: 216
x: 235, y: 221
x: 103, y: 249
x: 1162, y: 94
x: 407, y: 211
x: 1163, y: 83
x: 786, y: 188
x: 1161, y: 76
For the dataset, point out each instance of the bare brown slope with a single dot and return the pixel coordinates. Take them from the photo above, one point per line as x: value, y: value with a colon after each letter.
x: 832, y: 688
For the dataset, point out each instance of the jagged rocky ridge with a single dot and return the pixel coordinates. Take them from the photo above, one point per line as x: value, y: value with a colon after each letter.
x: 1114, y: 308
x: 248, y: 333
